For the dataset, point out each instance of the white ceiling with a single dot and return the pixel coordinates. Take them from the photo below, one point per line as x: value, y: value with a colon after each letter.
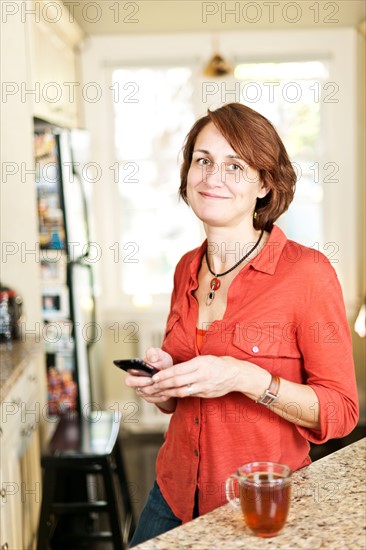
x: 160, y: 16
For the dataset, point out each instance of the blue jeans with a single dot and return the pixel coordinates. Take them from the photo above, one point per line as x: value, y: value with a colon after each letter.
x: 156, y: 518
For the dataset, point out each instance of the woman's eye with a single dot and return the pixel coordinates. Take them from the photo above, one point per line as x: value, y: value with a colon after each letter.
x: 234, y: 167
x: 202, y: 161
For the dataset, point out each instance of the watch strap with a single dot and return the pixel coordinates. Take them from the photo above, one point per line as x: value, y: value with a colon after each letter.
x: 271, y: 393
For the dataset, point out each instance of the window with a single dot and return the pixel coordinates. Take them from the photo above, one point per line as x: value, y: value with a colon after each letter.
x: 330, y: 172
x: 289, y: 94
x: 150, y: 126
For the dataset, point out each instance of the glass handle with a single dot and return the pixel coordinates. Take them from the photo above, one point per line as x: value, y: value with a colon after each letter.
x: 230, y: 492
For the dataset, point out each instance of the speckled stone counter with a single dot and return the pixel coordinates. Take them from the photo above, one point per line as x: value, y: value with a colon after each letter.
x: 327, y: 511
x: 13, y: 360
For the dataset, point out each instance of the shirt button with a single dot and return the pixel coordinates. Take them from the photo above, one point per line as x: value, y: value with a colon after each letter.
x: 196, y: 452
x: 255, y: 349
x: 196, y: 420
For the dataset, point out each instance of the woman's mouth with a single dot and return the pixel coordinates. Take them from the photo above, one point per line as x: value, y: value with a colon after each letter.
x: 211, y: 195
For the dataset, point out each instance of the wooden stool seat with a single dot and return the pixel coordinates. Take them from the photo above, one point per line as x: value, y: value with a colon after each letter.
x: 82, y: 447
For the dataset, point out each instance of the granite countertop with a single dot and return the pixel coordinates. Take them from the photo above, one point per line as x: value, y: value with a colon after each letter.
x: 14, y: 357
x: 327, y: 511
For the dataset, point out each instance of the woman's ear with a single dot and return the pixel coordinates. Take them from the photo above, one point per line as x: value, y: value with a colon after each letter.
x: 263, y: 190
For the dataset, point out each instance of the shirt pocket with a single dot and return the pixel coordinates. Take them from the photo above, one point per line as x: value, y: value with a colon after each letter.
x: 255, y: 345
x: 274, y: 350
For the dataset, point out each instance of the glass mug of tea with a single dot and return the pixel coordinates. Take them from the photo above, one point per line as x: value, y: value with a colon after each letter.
x: 264, y: 496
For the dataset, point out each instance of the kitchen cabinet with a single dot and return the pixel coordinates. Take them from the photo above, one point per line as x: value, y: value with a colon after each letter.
x: 22, y: 416
x: 10, y: 502
x: 55, y: 85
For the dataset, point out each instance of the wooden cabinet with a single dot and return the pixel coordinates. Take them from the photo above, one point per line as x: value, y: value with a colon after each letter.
x: 55, y: 84
x: 10, y: 502
x: 22, y: 413
x: 31, y: 479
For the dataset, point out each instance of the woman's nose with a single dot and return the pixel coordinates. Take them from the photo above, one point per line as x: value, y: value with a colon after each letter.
x: 213, y: 175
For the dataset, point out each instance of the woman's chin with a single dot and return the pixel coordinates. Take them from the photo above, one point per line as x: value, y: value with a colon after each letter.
x: 210, y: 221
x: 210, y: 216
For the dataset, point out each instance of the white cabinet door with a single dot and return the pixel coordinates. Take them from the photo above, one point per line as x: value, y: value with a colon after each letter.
x: 53, y: 76
x: 10, y: 503
x: 20, y: 467
x: 31, y: 474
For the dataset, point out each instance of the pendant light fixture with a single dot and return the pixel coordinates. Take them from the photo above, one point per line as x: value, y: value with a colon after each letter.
x: 217, y: 66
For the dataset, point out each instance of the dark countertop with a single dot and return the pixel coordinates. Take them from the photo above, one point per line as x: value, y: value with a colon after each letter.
x: 14, y: 358
x: 327, y: 511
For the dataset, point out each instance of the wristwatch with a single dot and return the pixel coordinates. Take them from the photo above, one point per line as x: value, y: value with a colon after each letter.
x: 271, y: 394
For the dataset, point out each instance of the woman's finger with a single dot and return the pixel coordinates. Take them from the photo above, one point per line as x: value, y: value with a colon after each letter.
x: 138, y: 381
x: 158, y: 358
x: 175, y: 382
x: 153, y: 400
x: 173, y: 373
x: 188, y: 390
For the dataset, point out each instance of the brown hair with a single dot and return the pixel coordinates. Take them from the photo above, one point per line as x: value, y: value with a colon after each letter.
x: 255, y: 139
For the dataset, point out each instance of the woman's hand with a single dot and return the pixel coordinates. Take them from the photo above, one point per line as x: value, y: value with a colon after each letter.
x: 144, y: 385
x: 202, y: 376
x: 211, y: 376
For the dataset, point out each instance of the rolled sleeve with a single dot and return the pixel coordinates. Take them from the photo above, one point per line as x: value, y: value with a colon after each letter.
x: 325, y: 343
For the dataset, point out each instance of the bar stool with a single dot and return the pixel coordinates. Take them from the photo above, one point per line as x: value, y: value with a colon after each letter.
x: 80, y: 449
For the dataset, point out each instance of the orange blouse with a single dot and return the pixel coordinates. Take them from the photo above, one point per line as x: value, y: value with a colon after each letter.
x: 285, y: 313
x: 200, y: 334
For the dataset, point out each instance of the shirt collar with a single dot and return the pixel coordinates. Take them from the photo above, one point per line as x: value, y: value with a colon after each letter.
x: 269, y: 257
x: 196, y: 261
x: 266, y: 261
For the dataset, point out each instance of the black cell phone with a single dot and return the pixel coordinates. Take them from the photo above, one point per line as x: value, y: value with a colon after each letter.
x: 136, y: 367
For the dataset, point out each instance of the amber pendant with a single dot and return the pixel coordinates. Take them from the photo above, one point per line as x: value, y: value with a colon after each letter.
x: 214, y: 285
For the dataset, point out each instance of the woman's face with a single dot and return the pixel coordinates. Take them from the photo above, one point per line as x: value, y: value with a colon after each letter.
x: 221, y: 188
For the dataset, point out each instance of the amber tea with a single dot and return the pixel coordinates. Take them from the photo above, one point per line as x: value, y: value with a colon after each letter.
x: 264, y: 503
x: 264, y: 496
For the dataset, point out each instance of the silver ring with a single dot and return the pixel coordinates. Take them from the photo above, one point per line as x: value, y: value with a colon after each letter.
x: 189, y: 389
x: 138, y: 389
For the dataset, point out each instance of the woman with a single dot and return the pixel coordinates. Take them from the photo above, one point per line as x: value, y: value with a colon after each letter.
x: 257, y: 358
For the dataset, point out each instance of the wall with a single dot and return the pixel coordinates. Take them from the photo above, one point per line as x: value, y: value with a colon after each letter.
x: 359, y: 344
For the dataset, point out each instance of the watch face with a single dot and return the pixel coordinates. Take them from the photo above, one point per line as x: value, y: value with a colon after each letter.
x: 268, y: 398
